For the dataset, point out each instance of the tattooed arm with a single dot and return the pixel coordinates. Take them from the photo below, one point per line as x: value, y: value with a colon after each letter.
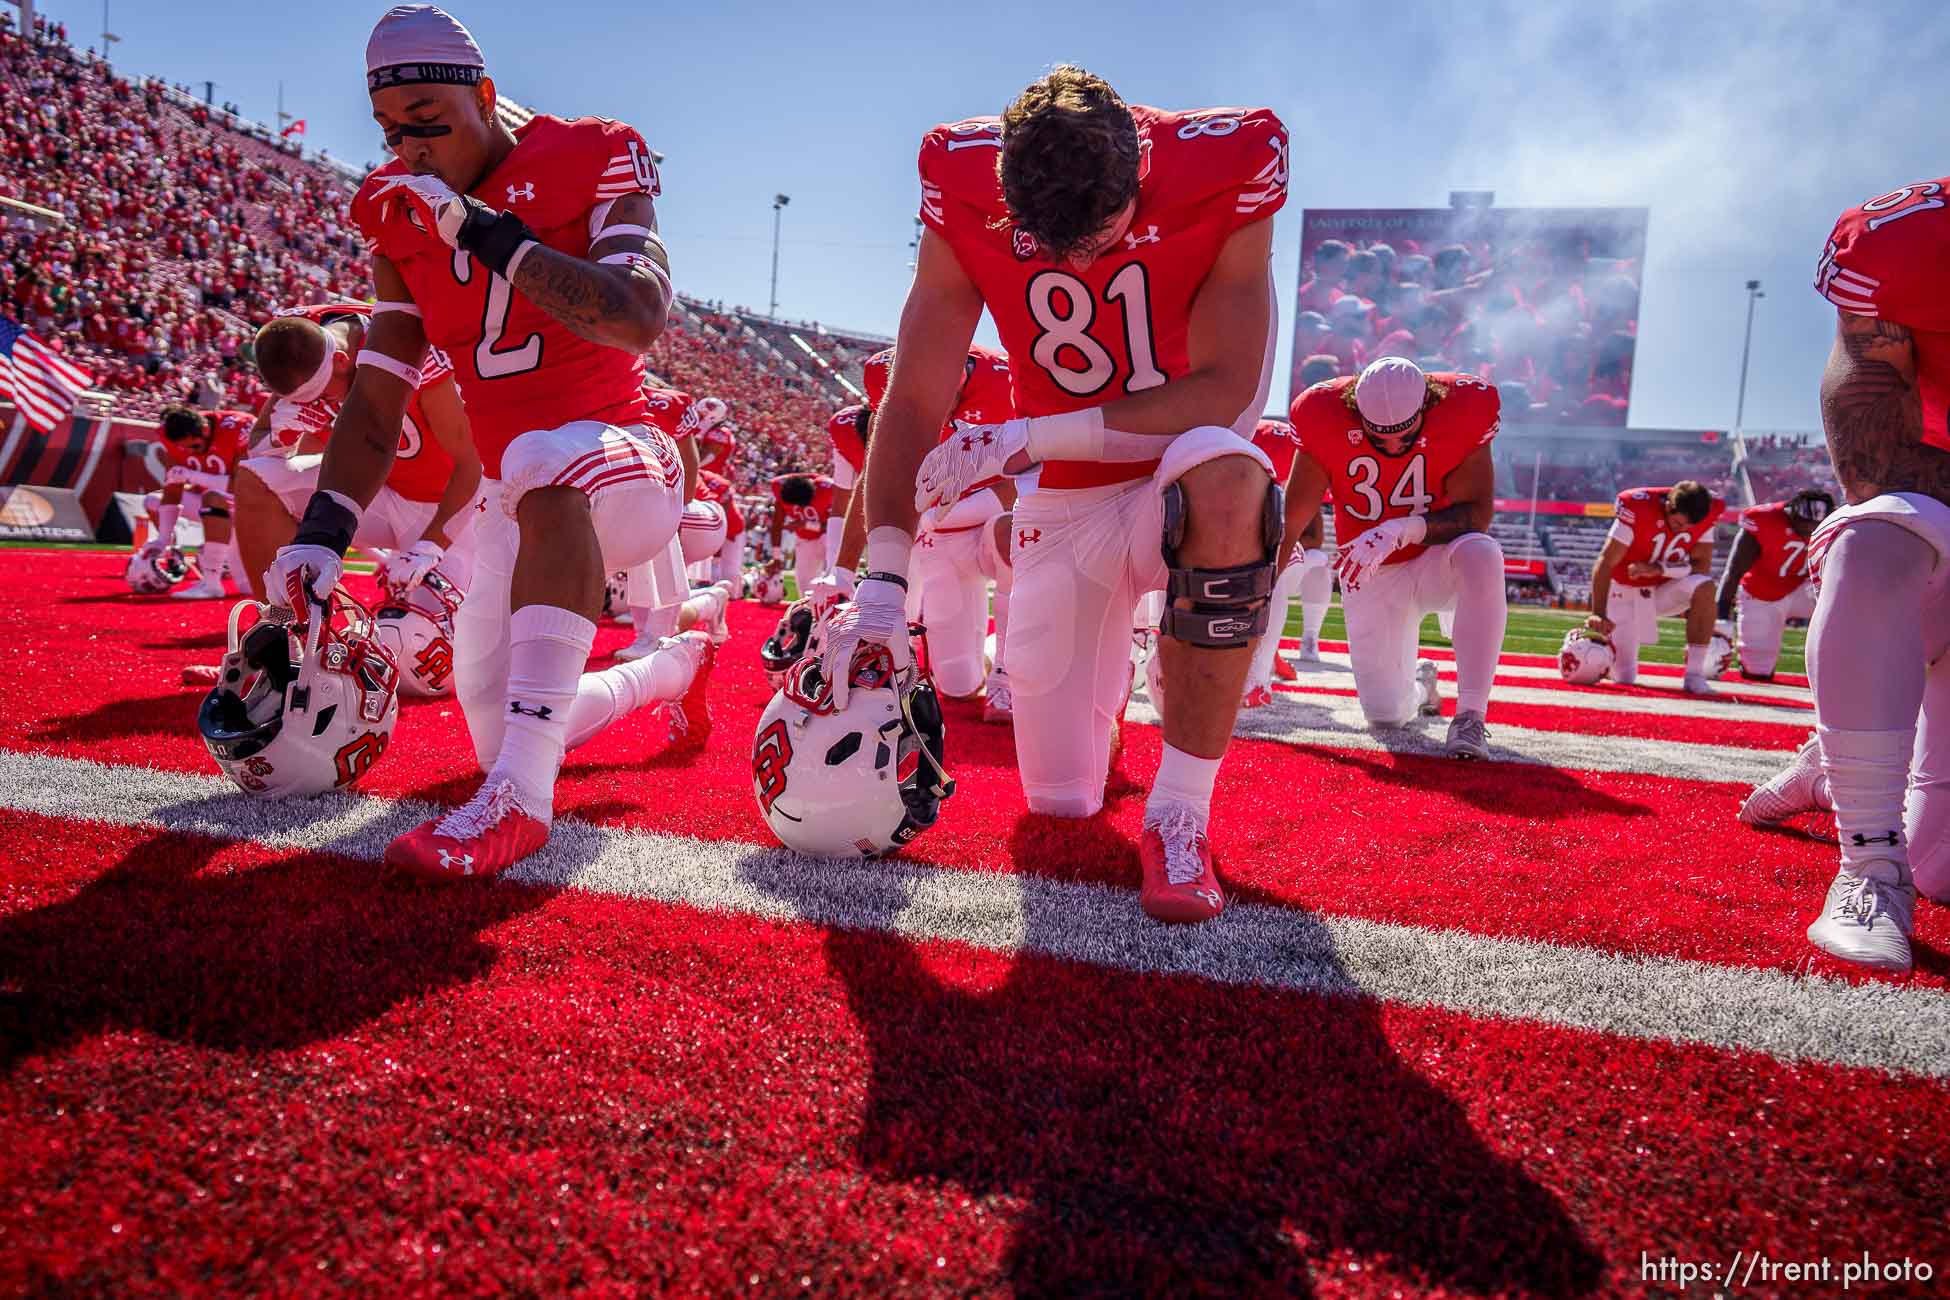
x: 621, y: 304
x: 1472, y: 487
x: 1873, y: 413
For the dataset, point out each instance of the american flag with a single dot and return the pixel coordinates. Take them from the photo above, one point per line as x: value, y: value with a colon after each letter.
x: 40, y: 381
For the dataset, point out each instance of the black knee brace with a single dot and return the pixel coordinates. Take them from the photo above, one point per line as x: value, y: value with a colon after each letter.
x: 1228, y: 605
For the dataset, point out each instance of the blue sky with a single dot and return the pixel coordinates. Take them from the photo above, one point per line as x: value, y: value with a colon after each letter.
x: 1745, y: 128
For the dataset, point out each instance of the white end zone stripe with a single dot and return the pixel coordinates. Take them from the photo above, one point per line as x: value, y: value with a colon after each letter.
x: 1877, y: 1025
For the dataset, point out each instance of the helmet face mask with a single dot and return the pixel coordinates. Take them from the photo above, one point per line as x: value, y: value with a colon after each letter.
x: 153, y: 573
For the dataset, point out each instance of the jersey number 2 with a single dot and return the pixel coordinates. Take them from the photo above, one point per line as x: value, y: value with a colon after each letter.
x: 1068, y: 329
x: 491, y: 361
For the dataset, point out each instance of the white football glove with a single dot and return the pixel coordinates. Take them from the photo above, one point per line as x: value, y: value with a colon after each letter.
x: 876, y: 615
x: 302, y: 577
x: 439, y: 208
x: 1361, y: 556
x: 829, y: 590
x: 404, y: 570
x: 974, y: 452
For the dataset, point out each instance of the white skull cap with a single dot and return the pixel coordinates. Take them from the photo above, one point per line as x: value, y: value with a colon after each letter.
x: 1390, y: 393
x: 420, y: 43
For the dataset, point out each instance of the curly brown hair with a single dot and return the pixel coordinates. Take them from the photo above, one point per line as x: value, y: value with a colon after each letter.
x: 1690, y: 499
x: 180, y: 422
x: 1069, y: 158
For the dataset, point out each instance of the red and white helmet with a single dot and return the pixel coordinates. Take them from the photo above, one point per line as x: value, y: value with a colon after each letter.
x: 616, y: 594
x: 765, y: 587
x: 418, y: 630
x: 701, y: 531
x: 855, y: 782
x: 1719, y: 655
x: 710, y: 412
x: 151, y: 573
x: 300, y: 709
x: 1585, y: 659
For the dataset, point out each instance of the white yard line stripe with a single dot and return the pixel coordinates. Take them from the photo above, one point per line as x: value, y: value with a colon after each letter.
x: 1336, y: 722
x: 1801, y: 695
x: 1877, y: 1025
x: 1677, y: 705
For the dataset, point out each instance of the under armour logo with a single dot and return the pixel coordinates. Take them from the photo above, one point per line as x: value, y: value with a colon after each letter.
x: 1211, y: 896
x: 462, y: 862
x: 514, y: 706
x: 1150, y: 236
x: 526, y: 191
x: 1028, y: 536
x: 970, y: 441
x: 927, y: 541
x: 1861, y: 841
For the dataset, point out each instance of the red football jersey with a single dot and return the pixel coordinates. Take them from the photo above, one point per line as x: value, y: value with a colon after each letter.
x: 986, y: 396
x: 716, y: 487
x: 1783, y: 563
x: 1641, y: 525
x: 1277, y: 439
x: 808, y: 521
x: 229, y: 435
x: 670, y: 410
x: 715, y: 448
x: 1086, y: 338
x: 849, y: 448
x: 518, y: 368
x: 1368, y: 486
x: 1890, y: 258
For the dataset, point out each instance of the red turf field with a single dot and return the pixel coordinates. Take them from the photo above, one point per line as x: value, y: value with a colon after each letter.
x: 1502, y: 1028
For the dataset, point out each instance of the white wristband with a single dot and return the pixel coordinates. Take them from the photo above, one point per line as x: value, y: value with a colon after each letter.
x: 514, y: 263
x: 887, y: 550
x: 404, y: 308
x: 1074, y: 435
x: 393, y: 366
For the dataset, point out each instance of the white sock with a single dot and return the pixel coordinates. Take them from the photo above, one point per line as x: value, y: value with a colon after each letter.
x: 1696, y: 660
x: 1625, y: 660
x: 1868, y: 776
x: 212, y: 559
x: 1261, y: 673
x: 1316, y: 594
x: 1183, y: 779
x: 547, y: 647
x: 603, y: 698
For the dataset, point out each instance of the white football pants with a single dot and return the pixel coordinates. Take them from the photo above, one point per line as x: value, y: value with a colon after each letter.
x: 1763, y: 621
x: 1384, y: 625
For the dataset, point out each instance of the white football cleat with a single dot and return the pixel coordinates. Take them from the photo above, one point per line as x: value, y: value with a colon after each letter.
x: 207, y: 587
x: 1468, y: 737
x: 1309, y: 650
x: 1868, y: 917
x: 997, y: 704
x: 1797, y: 788
x: 1426, y: 679
x: 1698, y: 684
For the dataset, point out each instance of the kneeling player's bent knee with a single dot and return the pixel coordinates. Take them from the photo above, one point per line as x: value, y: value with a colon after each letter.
x: 1223, y: 518
x: 1477, y: 556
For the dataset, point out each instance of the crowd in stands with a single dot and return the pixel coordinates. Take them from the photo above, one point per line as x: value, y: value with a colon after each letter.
x: 1553, y: 328
x: 176, y: 235
x: 1779, y: 465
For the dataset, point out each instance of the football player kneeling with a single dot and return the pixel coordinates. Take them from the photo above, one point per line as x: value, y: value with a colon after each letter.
x: 300, y: 709
x: 858, y: 781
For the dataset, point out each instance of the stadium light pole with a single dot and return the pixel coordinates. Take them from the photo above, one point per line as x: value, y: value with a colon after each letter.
x: 1754, y: 295
x: 778, y: 206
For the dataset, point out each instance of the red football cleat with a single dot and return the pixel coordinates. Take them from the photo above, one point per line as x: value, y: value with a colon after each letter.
x: 483, y: 837
x: 1257, y: 697
x: 1283, y: 670
x: 1180, y: 885
x: 690, y: 717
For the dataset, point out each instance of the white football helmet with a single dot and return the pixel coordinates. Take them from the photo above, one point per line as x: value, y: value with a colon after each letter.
x: 151, y: 573
x: 710, y: 412
x: 702, y: 530
x: 1719, y: 655
x: 418, y: 630
x: 616, y: 594
x: 852, y: 783
x: 765, y: 588
x: 1585, y: 658
x: 301, y: 709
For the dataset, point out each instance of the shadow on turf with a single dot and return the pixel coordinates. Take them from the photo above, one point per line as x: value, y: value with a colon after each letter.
x: 298, y: 950
x: 1529, y: 789
x: 171, y: 713
x: 1166, y: 1136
